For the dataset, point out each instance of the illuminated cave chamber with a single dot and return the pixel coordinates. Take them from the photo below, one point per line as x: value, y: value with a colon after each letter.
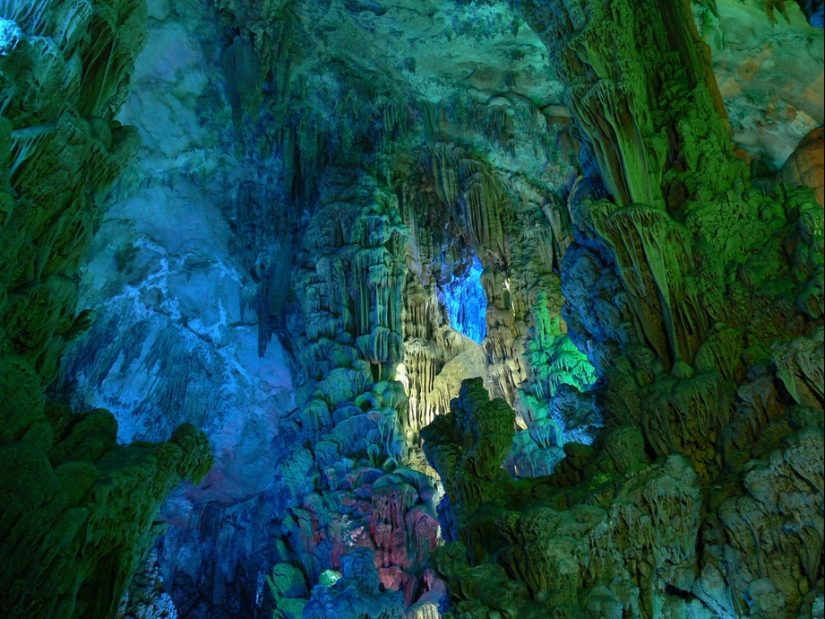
x: 466, y: 303
x: 458, y: 308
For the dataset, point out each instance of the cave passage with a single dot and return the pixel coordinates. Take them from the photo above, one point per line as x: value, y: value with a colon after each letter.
x: 466, y: 303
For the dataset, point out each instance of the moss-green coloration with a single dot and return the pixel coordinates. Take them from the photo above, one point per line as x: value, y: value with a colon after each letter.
x: 696, y: 295
x: 77, y: 511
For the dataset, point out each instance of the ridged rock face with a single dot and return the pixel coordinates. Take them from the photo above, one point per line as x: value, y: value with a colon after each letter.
x: 340, y: 213
x: 806, y: 165
x: 702, y: 301
x: 349, y: 282
x: 77, y: 511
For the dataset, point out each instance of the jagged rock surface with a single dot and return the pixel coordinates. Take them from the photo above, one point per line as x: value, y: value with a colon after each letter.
x: 78, y: 510
x: 238, y: 292
x: 644, y: 278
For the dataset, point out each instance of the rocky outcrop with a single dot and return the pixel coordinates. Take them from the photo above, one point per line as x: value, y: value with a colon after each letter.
x: 536, y: 546
x: 806, y: 165
x: 467, y: 447
x: 350, y: 486
x: 78, y: 510
x: 612, y: 533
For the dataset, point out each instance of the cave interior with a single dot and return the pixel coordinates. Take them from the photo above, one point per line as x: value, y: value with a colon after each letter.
x: 408, y: 309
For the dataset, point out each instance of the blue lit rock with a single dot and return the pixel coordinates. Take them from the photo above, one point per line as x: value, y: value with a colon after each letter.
x: 356, y: 594
x: 466, y: 303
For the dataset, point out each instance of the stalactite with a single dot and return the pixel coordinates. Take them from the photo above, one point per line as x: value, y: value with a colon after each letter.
x: 430, y: 114
x: 655, y: 260
x: 445, y: 162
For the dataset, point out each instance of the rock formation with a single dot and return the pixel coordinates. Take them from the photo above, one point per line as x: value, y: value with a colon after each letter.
x: 78, y: 511
x: 681, y: 367
x: 486, y: 309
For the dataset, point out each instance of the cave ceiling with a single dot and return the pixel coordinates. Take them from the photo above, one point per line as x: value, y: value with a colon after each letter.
x: 768, y: 65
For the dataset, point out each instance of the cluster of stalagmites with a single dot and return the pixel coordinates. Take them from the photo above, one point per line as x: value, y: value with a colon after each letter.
x: 358, y: 509
x: 614, y: 533
x: 77, y: 510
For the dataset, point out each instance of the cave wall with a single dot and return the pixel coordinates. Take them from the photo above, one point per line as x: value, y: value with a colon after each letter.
x: 273, y: 161
x: 79, y: 511
x: 277, y: 267
x: 177, y: 340
x: 660, y: 289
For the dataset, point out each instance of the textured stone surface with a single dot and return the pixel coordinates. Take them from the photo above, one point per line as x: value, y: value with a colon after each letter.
x: 806, y: 165
x: 769, y: 74
x: 325, y: 195
x: 77, y: 510
x: 687, y: 369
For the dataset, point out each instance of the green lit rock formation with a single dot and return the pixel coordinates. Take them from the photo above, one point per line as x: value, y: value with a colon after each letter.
x: 694, y: 261
x: 78, y: 512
